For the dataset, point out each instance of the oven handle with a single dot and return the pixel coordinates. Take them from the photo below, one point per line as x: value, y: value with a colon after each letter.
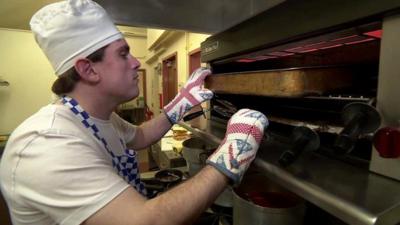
x: 195, y: 115
x: 227, y: 113
x: 225, y: 109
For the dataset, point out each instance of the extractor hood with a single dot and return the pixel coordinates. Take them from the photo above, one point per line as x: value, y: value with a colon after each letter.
x: 205, y: 16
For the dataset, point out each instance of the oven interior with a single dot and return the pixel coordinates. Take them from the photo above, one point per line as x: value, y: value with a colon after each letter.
x: 356, y: 48
x: 319, y: 144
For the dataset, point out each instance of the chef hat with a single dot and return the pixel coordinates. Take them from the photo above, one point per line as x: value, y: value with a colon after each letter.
x: 72, y: 29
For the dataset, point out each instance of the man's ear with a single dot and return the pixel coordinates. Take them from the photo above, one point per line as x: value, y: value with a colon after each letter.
x: 85, y: 69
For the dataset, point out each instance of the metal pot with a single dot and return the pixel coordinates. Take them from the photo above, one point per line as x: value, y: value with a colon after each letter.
x: 259, y: 201
x: 162, y: 181
x: 225, y: 199
x: 196, y: 151
x: 169, y: 177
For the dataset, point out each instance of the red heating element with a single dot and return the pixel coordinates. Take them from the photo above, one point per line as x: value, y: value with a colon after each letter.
x: 321, y: 45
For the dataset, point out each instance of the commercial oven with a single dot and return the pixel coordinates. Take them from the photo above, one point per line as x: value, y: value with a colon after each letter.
x: 327, y: 75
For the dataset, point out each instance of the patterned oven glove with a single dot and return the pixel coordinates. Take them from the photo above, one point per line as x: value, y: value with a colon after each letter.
x: 192, y: 94
x: 239, y: 147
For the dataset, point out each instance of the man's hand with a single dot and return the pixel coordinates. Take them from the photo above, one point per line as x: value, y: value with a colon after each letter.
x: 192, y: 94
x: 239, y: 147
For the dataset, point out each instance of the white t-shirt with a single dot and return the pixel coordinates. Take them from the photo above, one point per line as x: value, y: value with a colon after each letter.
x: 53, y: 170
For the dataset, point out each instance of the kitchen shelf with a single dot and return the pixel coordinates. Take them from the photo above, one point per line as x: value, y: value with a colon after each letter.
x: 352, y: 194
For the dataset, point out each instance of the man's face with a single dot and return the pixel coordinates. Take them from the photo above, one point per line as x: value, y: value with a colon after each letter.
x: 118, y: 72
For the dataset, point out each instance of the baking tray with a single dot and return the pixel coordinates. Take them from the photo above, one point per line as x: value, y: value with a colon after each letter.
x: 293, y: 82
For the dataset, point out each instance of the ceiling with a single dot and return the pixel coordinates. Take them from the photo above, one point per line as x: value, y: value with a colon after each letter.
x: 204, y: 16
x: 15, y: 14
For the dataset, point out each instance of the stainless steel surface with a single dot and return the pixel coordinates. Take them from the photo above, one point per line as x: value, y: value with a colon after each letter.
x: 316, y: 127
x: 225, y: 199
x: 196, y: 151
x: 207, y: 16
x: 341, y: 97
x: 358, y: 118
x: 166, y: 159
x: 354, y: 195
x: 287, y: 22
x: 245, y: 213
x: 276, y: 205
x: 304, y: 139
x: 388, y: 92
x: 203, y: 16
x: 214, y: 132
x: 155, y: 150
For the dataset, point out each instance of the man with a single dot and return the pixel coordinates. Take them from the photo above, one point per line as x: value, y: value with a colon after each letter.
x: 69, y: 163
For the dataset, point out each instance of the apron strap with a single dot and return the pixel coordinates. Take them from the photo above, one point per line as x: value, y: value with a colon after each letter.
x: 126, y: 164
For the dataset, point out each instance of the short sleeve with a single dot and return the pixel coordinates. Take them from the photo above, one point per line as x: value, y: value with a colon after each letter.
x: 67, y: 177
x: 124, y: 128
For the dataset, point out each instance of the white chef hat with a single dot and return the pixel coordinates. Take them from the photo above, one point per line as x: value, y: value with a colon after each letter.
x: 72, y: 29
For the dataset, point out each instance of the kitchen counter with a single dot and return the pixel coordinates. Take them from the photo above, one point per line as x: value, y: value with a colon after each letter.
x: 352, y: 194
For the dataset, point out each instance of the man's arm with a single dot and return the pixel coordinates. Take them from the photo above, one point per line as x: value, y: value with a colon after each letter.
x: 190, y: 95
x: 150, y: 132
x: 181, y: 205
x: 184, y: 203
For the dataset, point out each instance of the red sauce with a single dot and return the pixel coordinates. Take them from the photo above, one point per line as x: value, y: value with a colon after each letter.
x: 270, y: 199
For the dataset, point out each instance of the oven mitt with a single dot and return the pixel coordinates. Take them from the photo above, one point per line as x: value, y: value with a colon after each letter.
x: 192, y: 94
x: 238, y: 149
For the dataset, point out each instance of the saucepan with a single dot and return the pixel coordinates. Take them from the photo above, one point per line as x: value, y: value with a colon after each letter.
x: 259, y: 200
x: 169, y: 177
x: 196, y: 151
x: 162, y: 181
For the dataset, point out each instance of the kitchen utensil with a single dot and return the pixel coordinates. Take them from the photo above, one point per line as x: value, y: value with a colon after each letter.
x: 169, y: 177
x: 303, y: 139
x: 261, y: 201
x: 196, y: 151
x: 359, y: 118
x: 162, y: 181
x: 224, y: 108
x: 195, y: 115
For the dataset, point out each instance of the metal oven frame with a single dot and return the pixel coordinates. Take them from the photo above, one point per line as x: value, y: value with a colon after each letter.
x: 358, y: 197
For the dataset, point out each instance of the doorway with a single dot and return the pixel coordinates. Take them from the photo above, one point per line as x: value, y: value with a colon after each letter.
x: 194, y: 60
x: 169, y: 80
x: 142, y: 98
x: 194, y: 63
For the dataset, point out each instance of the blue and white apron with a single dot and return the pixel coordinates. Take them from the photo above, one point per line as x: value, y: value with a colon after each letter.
x: 126, y: 164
